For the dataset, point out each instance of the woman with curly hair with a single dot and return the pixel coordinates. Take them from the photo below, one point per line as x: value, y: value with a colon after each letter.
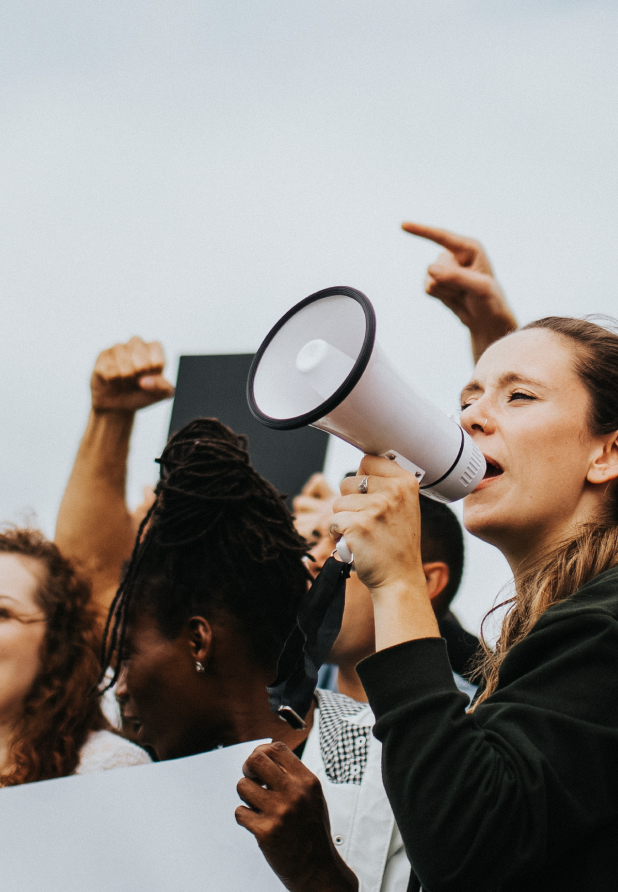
x: 51, y: 725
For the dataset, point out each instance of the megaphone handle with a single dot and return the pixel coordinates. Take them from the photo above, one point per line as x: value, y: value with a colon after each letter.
x: 344, y: 552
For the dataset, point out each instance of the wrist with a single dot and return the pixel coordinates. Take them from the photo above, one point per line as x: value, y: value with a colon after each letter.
x: 112, y: 412
x: 401, y: 591
x: 403, y: 612
x: 105, y: 444
x: 496, y: 327
x: 339, y: 878
x: 324, y: 870
x: 117, y: 422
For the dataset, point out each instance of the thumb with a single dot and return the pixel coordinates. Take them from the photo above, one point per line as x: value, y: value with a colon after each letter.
x: 156, y: 384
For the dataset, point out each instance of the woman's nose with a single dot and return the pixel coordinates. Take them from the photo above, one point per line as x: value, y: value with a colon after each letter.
x: 474, y: 418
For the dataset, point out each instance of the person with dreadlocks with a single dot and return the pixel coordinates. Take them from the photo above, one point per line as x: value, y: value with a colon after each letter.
x: 210, y: 595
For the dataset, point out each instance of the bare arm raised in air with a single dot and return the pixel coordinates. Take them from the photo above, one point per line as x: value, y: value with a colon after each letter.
x: 462, y: 278
x: 94, y: 526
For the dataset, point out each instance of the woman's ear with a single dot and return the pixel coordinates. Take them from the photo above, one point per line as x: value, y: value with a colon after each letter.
x: 200, y: 636
x: 604, y: 467
x: 437, y: 576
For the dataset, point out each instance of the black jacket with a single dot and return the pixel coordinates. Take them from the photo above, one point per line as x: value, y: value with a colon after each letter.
x: 521, y: 794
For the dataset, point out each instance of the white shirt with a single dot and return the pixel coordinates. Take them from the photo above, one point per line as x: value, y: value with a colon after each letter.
x: 342, y: 752
x: 104, y: 750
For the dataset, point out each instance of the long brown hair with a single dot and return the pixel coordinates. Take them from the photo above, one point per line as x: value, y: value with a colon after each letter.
x: 60, y: 710
x: 594, y: 547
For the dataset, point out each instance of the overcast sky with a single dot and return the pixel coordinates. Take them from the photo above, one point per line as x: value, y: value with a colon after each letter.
x: 188, y: 170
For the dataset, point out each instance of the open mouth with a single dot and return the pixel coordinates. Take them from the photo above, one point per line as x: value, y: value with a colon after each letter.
x: 493, y: 469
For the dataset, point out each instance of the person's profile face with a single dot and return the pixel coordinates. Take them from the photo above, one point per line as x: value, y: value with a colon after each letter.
x: 22, y: 631
x: 156, y: 689
x: 527, y: 411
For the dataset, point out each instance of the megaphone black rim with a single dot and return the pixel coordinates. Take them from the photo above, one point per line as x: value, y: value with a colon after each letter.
x: 350, y: 382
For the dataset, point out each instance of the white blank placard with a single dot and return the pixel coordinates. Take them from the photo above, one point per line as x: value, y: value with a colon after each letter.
x: 156, y: 828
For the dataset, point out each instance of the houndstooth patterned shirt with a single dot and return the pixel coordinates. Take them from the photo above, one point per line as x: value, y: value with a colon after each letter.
x: 344, y: 745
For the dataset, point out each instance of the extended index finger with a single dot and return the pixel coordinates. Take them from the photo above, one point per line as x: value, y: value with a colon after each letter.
x: 379, y: 466
x: 463, y: 247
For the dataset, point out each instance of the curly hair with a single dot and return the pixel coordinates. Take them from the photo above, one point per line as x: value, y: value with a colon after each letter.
x: 218, y: 537
x: 60, y: 709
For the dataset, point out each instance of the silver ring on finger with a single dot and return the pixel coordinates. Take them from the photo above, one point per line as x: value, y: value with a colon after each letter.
x: 362, y: 486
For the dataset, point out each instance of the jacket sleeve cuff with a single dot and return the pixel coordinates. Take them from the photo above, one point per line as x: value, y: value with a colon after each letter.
x: 407, y: 671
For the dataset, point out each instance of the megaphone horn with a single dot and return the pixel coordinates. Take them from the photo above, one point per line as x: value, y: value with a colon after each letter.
x: 321, y: 365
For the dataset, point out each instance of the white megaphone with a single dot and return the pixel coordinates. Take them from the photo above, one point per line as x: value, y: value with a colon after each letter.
x: 321, y: 365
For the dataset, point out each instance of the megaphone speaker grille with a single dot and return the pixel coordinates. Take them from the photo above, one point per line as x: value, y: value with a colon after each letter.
x: 297, y: 377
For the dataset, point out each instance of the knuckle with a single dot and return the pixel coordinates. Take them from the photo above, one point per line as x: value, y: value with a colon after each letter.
x: 273, y: 827
x: 365, y: 521
x: 314, y: 787
x: 103, y: 357
x: 347, y: 487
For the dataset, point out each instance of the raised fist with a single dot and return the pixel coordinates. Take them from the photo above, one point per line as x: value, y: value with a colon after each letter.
x: 129, y: 376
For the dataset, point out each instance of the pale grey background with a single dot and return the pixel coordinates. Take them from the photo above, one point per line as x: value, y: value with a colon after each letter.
x: 188, y: 170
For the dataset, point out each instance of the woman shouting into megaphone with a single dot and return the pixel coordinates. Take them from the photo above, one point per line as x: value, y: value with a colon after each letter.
x: 520, y: 791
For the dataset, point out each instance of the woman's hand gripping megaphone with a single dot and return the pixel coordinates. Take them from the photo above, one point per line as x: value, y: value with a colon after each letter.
x: 382, y: 529
x: 378, y: 515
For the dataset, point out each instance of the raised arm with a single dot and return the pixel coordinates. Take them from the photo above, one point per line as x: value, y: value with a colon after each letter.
x: 462, y: 278
x: 94, y: 526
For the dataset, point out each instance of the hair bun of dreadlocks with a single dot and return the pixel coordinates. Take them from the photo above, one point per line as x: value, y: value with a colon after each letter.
x: 197, y: 436
x: 206, y: 478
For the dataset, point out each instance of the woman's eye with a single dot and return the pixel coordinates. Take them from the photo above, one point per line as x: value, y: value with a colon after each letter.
x: 518, y: 395
x: 4, y: 613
